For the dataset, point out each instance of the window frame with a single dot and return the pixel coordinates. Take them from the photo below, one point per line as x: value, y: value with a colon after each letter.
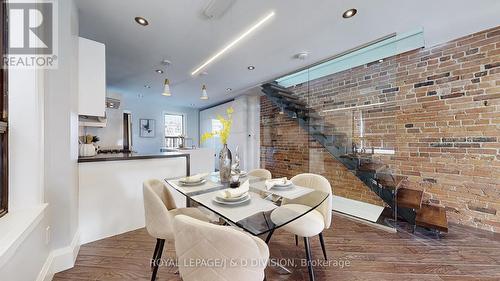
x: 183, y: 124
x: 4, y: 153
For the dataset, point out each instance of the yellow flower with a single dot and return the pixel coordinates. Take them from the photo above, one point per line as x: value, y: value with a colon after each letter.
x: 226, y: 128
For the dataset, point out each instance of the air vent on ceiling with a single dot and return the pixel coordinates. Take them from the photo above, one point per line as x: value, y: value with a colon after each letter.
x: 217, y: 8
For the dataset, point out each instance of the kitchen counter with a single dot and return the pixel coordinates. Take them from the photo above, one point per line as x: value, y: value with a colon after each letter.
x: 110, y: 187
x: 131, y: 156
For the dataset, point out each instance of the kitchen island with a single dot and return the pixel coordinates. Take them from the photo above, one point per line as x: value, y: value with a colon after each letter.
x: 110, y: 187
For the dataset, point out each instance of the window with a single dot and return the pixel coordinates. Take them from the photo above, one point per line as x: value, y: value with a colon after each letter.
x: 174, y: 125
x: 174, y: 130
x: 216, y: 126
x: 4, y: 179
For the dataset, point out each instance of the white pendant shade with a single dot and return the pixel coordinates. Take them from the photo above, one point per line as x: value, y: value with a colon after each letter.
x: 204, y: 95
x: 166, y: 89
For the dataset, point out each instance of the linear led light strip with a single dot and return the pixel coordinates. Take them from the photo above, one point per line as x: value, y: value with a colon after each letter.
x: 354, y: 107
x: 234, y: 42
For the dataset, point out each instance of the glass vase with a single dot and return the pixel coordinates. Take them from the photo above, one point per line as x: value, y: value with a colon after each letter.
x: 225, y: 161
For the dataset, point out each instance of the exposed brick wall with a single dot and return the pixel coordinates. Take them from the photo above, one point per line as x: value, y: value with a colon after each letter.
x: 287, y: 150
x: 440, y: 114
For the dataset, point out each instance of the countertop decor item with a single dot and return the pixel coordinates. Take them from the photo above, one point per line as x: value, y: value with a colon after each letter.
x: 225, y: 157
x: 87, y: 146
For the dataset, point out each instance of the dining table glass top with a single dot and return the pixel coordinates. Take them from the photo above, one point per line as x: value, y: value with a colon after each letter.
x: 264, y: 212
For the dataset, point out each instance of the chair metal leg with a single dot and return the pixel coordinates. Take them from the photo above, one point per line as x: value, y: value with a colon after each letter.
x: 268, y: 238
x: 309, y: 259
x: 322, y: 241
x: 157, y: 260
x: 296, y: 240
x: 155, y: 252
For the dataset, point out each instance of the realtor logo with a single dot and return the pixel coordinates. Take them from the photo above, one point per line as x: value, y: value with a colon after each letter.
x: 32, y: 27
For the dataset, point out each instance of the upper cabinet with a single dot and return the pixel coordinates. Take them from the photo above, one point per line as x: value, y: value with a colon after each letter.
x: 91, y: 77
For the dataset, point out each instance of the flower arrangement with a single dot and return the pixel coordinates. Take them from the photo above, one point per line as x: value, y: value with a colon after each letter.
x: 88, y: 139
x: 226, y: 127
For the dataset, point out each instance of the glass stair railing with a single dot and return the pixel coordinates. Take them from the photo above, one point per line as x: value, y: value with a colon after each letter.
x: 404, y: 203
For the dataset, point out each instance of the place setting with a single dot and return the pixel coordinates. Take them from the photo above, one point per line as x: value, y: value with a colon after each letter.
x: 279, y: 184
x: 194, y: 183
x: 282, y: 187
x: 233, y: 195
x: 193, y: 180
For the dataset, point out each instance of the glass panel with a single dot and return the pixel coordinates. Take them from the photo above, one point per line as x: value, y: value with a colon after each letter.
x: 340, y: 125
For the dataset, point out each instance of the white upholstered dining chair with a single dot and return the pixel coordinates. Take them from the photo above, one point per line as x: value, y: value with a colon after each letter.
x: 312, y: 223
x: 196, y: 240
x: 160, y: 210
x: 260, y: 173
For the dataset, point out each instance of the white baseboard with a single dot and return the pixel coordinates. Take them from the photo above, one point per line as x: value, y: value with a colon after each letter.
x: 60, y: 259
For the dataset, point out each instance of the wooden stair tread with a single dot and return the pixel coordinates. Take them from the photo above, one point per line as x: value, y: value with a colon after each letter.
x: 432, y: 216
x: 390, y: 181
x: 410, y: 198
x: 371, y: 167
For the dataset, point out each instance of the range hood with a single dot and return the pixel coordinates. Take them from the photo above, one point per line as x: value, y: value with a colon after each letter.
x: 91, y: 121
x: 95, y: 121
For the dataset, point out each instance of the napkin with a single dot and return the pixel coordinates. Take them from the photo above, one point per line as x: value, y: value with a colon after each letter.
x: 194, y: 178
x: 235, y: 192
x: 272, y: 182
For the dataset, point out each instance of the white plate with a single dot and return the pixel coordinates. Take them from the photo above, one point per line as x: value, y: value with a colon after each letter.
x: 192, y: 183
x: 287, y: 183
x: 241, y: 201
x: 232, y: 199
x: 282, y: 187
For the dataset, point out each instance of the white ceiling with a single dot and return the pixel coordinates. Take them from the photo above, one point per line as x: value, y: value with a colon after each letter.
x: 178, y: 32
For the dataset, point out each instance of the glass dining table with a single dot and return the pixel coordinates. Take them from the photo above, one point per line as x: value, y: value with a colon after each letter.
x: 263, y: 213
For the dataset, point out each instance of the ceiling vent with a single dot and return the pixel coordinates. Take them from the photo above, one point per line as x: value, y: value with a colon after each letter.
x: 215, y: 9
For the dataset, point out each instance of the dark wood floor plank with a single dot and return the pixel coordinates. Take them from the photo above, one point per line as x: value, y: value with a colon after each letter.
x: 462, y: 254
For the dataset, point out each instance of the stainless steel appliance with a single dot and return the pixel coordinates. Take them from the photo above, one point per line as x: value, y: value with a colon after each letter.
x: 127, y: 132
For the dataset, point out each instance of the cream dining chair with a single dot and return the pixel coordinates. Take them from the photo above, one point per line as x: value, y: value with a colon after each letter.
x: 260, y: 173
x: 160, y: 210
x: 222, y: 252
x: 312, y: 223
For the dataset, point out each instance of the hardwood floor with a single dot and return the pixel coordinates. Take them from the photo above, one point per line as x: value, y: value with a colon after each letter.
x: 373, y: 254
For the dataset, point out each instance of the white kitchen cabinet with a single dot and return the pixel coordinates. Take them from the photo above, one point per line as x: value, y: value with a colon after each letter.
x: 91, y: 77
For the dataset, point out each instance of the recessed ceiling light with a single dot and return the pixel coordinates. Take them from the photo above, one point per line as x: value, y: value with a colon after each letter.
x: 251, y: 67
x: 234, y: 42
x: 349, y: 13
x: 229, y: 89
x: 159, y: 71
x: 147, y: 86
x: 142, y: 21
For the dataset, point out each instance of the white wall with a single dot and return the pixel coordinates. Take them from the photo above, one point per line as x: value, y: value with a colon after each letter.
x: 42, y: 153
x: 25, y: 138
x: 153, y: 107
x: 253, y: 125
x: 245, y: 131
x: 61, y: 131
